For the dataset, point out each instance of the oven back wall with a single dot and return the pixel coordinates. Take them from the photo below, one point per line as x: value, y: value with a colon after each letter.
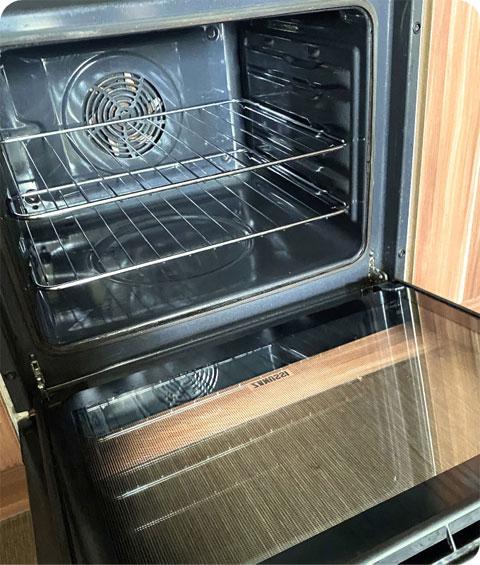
x: 88, y: 83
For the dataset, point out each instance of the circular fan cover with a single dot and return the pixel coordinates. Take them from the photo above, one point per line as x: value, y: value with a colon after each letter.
x: 125, y: 95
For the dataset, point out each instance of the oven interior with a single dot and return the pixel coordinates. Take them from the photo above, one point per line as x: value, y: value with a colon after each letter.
x: 153, y: 176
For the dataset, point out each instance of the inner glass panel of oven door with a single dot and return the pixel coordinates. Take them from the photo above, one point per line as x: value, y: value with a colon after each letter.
x: 235, y: 451
x: 161, y: 174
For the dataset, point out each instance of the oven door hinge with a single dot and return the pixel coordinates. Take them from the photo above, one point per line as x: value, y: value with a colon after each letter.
x: 375, y: 275
x: 38, y: 376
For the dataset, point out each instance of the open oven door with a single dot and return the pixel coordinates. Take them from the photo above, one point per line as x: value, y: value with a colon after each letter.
x: 343, y: 431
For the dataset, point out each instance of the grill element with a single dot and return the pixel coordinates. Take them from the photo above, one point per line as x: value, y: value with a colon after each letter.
x: 125, y: 95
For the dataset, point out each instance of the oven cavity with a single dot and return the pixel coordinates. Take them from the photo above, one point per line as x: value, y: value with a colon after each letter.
x: 201, y: 166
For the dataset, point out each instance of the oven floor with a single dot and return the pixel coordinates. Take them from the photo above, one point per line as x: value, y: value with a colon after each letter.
x: 183, y: 285
x: 250, y: 470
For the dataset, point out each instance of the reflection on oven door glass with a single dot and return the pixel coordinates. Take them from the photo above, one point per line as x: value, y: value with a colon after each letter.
x: 285, y: 440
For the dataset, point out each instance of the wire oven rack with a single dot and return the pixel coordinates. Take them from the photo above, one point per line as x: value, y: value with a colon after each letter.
x: 101, y: 224
x: 256, y: 138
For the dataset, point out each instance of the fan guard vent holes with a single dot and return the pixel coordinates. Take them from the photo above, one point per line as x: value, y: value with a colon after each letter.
x: 124, y: 95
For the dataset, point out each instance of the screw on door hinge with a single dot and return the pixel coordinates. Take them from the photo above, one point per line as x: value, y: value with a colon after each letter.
x: 374, y: 274
x: 38, y: 374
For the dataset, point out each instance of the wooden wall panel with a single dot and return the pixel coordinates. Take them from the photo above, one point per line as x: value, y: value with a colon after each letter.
x: 16, y: 533
x: 10, y: 455
x: 445, y: 249
x: 13, y: 484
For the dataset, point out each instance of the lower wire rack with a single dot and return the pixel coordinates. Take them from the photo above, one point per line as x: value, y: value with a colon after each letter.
x: 119, y: 240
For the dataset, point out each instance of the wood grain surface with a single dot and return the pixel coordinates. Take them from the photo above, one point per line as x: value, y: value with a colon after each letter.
x: 10, y: 455
x: 444, y: 255
x: 13, y: 484
x: 13, y: 492
x: 256, y: 397
x: 16, y: 536
x: 16, y: 533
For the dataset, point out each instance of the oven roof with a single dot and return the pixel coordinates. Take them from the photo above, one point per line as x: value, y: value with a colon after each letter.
x: 29, y: 22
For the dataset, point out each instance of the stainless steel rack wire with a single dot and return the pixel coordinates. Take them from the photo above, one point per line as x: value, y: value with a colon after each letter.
x: 231, y: 186
x: 234, y: 136
x: 121, y: 238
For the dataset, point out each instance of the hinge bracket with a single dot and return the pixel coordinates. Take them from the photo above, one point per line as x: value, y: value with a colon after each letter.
x: 38, y: 375
x: 375, y: 275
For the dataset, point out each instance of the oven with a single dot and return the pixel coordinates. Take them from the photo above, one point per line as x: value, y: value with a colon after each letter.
x: 204, y: 217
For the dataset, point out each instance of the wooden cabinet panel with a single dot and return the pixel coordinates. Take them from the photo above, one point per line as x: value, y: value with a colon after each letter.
x: 13, y: 484
x: 445, y: 251
x: 10, y: 455
x: 16, y: 533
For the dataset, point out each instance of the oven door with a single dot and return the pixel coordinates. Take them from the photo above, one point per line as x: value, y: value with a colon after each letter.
x: 341, y: 432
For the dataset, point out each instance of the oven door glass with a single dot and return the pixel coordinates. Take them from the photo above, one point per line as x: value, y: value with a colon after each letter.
x: 239, y: 450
